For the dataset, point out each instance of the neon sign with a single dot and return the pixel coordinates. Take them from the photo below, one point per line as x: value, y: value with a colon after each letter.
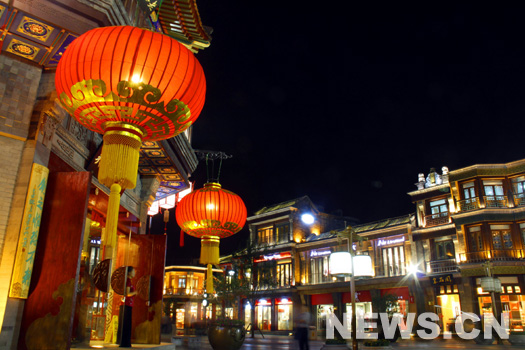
x: 383, y: 242
x: 94, y: 241
x: 274, y: 256
x: 315, y: 253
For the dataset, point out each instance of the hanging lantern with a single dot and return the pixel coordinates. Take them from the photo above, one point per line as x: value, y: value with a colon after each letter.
x: 211, y: 213
x: 131, y: 85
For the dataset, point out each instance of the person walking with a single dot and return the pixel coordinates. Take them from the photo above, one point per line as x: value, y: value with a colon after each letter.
x: 303, y: 324
x: 129, y: 294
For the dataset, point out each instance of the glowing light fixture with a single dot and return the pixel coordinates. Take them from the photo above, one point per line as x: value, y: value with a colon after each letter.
x: 154, y: 209
x: 307, y: 218
x: 167, y: 202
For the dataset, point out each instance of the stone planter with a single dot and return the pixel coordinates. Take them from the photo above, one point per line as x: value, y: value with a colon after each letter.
x: 335, y: 347
x: 517, y: 338
x: 480, y: 339
x: 226, y: 337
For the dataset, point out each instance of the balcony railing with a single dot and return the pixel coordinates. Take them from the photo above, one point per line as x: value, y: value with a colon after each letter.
x: 183, y: 291
x: 441, y: 266
x: 390, y: 271
x: 469, y: 204
x: 519, y: 199
x: 437, y: 219
x: 494, y: 255
x: 496, y: 201
x: 315, y: 278
x: 284, y: 238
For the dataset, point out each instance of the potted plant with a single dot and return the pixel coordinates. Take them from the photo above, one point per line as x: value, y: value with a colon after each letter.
x: 379, y: 343
x: 517, y: 338
x: 226, y: 334
x: 386, y: 304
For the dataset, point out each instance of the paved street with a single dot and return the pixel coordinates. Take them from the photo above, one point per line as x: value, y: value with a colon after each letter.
x: 284, y: 342
x: 275, y: 342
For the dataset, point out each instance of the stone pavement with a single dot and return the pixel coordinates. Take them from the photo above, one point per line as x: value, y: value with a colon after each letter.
x: 278, y: 342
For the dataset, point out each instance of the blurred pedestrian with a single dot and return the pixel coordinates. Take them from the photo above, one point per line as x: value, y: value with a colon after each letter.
x: 129, y: 294
x: 303, y: 324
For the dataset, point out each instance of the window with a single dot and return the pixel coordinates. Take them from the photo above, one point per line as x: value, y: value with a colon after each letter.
x: 319, y: 270
x: 470, y: 200
x: 494, y: 197
x: 182, y: 281
x: 522, y: 229
x: 264, y: 235
x: 501, y: 237
x: 518, y: 185
x: 439, y: 208
x: 439, y: 213
x: 283, y: 232
x: 475, y: 240
x: 445, y: 250
x: 284, y: 274
x: 271, y: 235
x: 393, y: 261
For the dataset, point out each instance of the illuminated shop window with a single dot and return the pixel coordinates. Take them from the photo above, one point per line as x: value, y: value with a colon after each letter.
x: 475, y: 240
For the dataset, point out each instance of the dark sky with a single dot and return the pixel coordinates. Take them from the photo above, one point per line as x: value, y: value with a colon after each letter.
x: 348, y: 104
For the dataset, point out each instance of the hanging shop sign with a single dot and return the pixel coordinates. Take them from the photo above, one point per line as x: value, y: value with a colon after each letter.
x: 391, y: 241
x: 25, y: 252
x: 490, y: 284
x: 443, y: 279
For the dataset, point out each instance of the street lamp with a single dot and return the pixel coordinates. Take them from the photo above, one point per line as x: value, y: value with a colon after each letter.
x: 346, y: 264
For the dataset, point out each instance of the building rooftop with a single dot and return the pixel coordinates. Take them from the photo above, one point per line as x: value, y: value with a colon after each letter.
x: 293, y: 203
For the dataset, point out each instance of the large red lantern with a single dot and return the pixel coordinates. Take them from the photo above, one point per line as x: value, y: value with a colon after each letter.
x: 211, y: 213
x: 131, y: 85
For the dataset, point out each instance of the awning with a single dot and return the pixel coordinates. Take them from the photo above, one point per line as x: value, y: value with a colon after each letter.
x: 401, y: 292
x: 361, y: 296
x: 319, y: 299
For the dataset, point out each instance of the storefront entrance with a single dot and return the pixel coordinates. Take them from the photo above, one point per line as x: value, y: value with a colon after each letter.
x: 263, y: 314
x: 448, y: 309
x: 284, y: 314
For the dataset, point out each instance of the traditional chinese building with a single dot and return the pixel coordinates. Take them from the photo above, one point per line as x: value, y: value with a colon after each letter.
x: 52, y: 231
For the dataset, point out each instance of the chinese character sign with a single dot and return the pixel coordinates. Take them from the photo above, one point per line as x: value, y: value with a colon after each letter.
x: 25, y: 252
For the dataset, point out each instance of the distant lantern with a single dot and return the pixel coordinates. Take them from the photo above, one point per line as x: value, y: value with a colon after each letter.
x: 131, y: 85
x: 211, y: 213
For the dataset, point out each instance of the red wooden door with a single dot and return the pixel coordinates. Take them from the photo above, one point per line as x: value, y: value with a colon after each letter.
x: 48, y: 312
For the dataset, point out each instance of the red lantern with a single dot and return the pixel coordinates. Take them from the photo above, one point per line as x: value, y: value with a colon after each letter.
x: 211, y: 213
x: 131, y: 85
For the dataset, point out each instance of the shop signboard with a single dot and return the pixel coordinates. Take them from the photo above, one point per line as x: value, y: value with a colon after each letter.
x: 443, y: 279
x: 390, y: 241
x: 27, y: 241
x: 274, y: 256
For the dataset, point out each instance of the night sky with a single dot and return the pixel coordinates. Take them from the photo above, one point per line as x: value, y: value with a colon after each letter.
x: 348, y: 104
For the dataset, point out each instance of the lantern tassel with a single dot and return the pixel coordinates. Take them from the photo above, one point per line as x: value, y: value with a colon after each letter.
x: 209, y: 280
x: 112, y: 215
x: 181, y: 242
x: 119, y: 160
x: 210, y: 250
